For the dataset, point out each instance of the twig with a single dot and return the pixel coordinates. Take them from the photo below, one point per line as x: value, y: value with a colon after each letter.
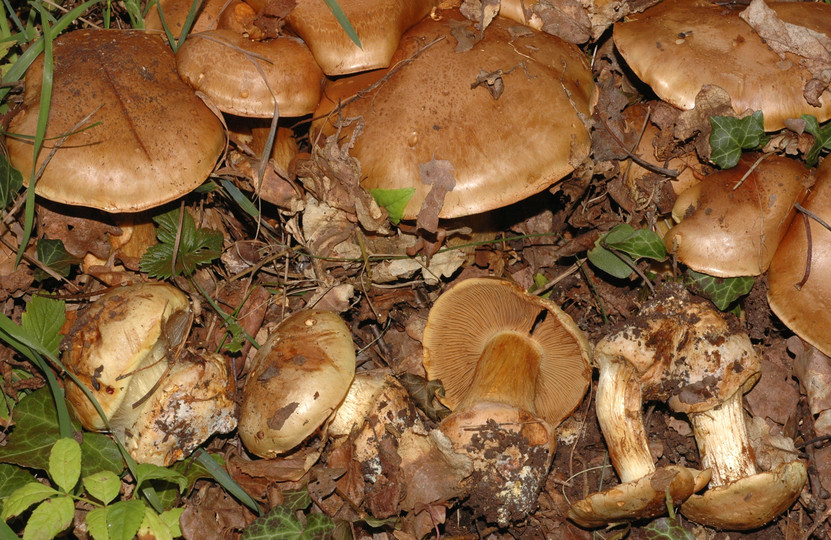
x: 750, y: 170
x: 672, y: 173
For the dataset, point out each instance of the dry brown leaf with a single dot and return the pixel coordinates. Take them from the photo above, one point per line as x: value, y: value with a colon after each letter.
x: 813, y: 370
x: 212, y: 514
x: 813, y: 48
x: 566, y: 19
x: 437, y: 173
x: 481, y: 12
x: 710, y: 101
x: 80, y: 235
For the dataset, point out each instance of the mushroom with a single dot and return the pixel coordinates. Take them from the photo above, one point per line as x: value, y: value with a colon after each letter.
x: 798, y: 277
x: 731, y: 222
x: 513, y: 367
x: 671, y: 47
x: 378, y: 23
x: 245, y: 77
x: 466, y: 108
x: 123, y: 349
x: 298, y: 379
x: 148, y: 139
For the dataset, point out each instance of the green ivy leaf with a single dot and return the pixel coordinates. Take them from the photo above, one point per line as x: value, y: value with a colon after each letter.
x: 97, y: 524
x: 629, y: 243
x: 13, y: 478
x: 642, y: 243
x: 10, y: 181
x: 146, y: 472
x: 297, y: 500
x: 667, y: 529
x: 393, y: 200
x: 43, y: 320
x: 24, y: 497
x: 729, y: 136
x: 822, y: 138
x: 53, y: 254
x: 317, y: 526
x: 279, y: 523
x: 196, y: 247
x: 49, y: 518
x: 721, y: 291
x: 103, y: 486
x: 65, y: 463
x: 124, y: 519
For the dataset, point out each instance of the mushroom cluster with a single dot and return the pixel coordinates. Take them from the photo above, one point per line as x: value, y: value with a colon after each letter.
x: 126, y: 348
x: 513, y: 366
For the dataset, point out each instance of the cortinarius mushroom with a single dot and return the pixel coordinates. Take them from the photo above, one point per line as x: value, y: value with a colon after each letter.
x: 298, y: 379
x: 124, y: 348
x: 513, y: 367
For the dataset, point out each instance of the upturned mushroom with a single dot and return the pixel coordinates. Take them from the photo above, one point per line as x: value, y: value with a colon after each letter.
x: 124, y: 348
x: 444, y: 122
x: 298, y: 378
x: 733, y: 220
x: 671, y: 47
x: 513, y: 367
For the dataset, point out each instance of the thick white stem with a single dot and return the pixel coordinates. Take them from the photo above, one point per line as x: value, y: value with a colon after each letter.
x: 619, y: 403
x: 722, y: 440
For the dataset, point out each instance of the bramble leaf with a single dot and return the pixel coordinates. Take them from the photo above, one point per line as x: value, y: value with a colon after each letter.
x: 729, y: 136
x: 24, y: 497
x: 49, y: 518
x: 104, y: 486
x: 65, y: 463
x: 393, y: 200
x: 124, y: 519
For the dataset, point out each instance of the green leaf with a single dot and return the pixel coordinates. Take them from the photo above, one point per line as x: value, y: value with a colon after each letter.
x: 822, y: 138
x: 43, y: 320
x: 317, y: 526
x: 540, y: 281
x: 279, y: 523
x: 721, y: 291
x: 146, y: 472
x: 97, y: 524
x: 124, y: 519
x: 393, y: 200
x: 729, y: 136
x: 50, y: 518
x: 226, y: 481
x: 53, y: 254
x: 642, y: 243
x: 10, y: 182
x: 171, y: 519
x: 103, y: 486
x: 24, y: 497
x: 666, y: 529
x: 13, y: 478
x: 154, y: 526
x: 196, y: 247
x: 65, y: 463
x: 100, y: 453
x: 297, y: 500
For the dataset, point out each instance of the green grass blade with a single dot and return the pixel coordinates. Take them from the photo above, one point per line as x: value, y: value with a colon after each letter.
x: 334, y: 7
x: 189, y: 20
x: 225, y: 480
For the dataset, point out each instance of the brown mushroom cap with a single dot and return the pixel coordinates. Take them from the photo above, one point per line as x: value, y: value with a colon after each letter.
x: 119, y: 342
x: 730, y: 226
x: 749, y: 502
x: 156, y: 140
x: 299, y: 378
x: 427, y: 110
x: 671, y: 47
x: 378, y: 23
x: 806, y: 307
x: 467, y: 319
x: 214, y: 63
x: 176, y: 11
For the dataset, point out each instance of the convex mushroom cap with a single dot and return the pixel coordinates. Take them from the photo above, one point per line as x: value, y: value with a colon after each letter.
x: 513, y: 367
x: 671, y: 48
x: 299, y: 377
x: 123, y: 348
x: 733, y: 220
x: 154, y: 141
x: 455, y: 121
x: 798, y: 284
x: 378, y: 23
x: 244, y: 77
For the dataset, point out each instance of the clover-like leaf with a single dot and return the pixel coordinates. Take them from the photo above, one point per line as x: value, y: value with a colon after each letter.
x: 393, y: 200
x: 729, y: 136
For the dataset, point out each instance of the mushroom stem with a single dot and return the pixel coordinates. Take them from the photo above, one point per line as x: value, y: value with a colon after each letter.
x: 506, y: 372
x: 721, y: 436
x: 619, y: 404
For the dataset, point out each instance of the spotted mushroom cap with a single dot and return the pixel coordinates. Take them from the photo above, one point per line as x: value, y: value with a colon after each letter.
x: 465, y: 318
x: 432, y: 109
x: 149, y: 139
x: 672, y: 47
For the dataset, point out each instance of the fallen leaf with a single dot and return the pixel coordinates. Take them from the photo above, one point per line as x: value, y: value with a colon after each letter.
x: 437, y: 173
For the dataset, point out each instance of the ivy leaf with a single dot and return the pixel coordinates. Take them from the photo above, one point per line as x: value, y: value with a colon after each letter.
x: 12, y: 478
x: 196, y: 247
x: 317, y: 526
x: 666, y: 528
x: 729, y: 136
x: 53, y: 254
x: 822, y: 138
x: 10, y: 181
x: 49, y: 518
x: 279, y: 523
x: 721, y: 291
x: 65, y: 463
x: 297, y: 499
x: 393, y: 200
x: 628, y: 243
x: 43, y: 320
